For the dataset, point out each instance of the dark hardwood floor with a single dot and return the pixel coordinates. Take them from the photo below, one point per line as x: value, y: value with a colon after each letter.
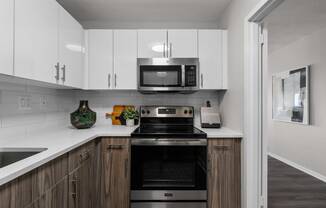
x: 292, y: 188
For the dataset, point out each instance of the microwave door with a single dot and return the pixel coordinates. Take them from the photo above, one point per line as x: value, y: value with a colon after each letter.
x: 161, y: 76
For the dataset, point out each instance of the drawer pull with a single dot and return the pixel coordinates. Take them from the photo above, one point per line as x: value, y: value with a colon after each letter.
x: 222, y: 147
x: 116, y: 147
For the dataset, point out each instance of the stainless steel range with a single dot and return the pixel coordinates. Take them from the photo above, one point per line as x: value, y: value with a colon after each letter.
x: 168, y: 160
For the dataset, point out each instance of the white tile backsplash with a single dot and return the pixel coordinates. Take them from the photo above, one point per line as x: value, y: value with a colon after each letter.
x: 60, y: 103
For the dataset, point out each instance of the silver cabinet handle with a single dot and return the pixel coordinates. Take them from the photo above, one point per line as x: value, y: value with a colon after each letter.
x: 164, y: 50
x: 115, y: 80
x: 202, y: 80
x: 170, y: 50
x: 57, y: 71
x: 109, y: 80
x: 63, y: 73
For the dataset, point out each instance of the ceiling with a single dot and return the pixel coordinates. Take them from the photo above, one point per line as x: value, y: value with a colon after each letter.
x: 293, y: 20
x: 146, y: 13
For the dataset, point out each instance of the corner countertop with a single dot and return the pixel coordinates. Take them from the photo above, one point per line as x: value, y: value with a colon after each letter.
x: 59, y: 141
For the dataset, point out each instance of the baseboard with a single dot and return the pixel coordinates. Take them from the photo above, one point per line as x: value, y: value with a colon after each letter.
x: 299, y: 167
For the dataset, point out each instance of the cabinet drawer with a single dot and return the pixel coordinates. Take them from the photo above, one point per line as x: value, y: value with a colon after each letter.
x: 79, y: 155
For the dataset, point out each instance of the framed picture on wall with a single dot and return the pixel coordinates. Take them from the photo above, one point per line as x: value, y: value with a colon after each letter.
x: 291, y: 96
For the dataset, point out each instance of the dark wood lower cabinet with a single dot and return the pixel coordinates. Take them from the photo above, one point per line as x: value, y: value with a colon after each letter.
x: 82, y: 189
x: 55, y: 197
x: 97, y: 175
x: 224, y: 173
x: 115, y: 177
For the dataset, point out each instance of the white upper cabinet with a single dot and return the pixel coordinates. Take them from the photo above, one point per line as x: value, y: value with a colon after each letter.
x: 36, y: 39
x: 7, y: 37
x: 71, y: 50
x: 212, y: 53
x: 100, y: 59
x: 182, y: 44
x: 152, y: 43
x: 125, y: 59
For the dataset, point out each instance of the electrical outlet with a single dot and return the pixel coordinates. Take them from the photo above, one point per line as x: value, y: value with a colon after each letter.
x: 43, y: 102
x: 24, y: 103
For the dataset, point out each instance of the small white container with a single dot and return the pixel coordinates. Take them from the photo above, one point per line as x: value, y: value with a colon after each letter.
x: 130, y: 122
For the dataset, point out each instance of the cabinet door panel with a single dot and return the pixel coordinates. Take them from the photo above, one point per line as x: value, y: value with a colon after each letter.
x: 152, y: 43
x: 7, y: 37
x: 71, y: 50
x: 224, y: 177
x: 57, y: 197
x: 182, y: 43
x: 125, y: 59
x: 210, y: 57
x: 82, y: 181
x: 100, y: 59
x: 116, y: 176
x: 36, y: 39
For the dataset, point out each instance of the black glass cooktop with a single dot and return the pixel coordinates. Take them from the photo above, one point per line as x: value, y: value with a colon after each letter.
x: 168, y: 131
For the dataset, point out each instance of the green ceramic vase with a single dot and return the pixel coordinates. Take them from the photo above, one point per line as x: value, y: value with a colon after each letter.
x: 83, y: 117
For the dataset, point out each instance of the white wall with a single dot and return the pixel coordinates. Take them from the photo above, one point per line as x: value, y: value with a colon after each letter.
x: 303, y: 145
x: 233, y: 20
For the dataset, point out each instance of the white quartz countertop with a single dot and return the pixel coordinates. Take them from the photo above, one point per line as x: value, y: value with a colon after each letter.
x: 59, y: 141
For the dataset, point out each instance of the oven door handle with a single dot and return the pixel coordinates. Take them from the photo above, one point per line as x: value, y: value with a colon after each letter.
x: 169, y: 142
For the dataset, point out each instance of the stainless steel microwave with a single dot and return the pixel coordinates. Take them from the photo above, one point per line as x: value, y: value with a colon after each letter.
x: 168, y: 75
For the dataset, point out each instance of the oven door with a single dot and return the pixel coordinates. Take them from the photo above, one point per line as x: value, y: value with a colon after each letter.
x: 167, y: 172
x: 160, y: 78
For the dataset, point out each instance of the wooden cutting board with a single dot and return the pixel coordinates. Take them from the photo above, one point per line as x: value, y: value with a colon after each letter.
x: 116, y: 115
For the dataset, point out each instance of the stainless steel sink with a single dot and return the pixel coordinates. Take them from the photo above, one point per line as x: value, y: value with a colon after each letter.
x: 12, y: 155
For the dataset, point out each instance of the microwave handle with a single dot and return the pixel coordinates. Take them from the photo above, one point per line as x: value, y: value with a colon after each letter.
x: 183, y: 75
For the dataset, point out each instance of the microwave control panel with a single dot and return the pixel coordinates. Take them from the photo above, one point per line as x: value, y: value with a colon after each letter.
x: 191, y: 76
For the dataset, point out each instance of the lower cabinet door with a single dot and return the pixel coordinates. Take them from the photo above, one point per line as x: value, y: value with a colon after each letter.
x: 82, y: 193
x: 224, y: 173
x: 57, y: 197
x: 115, y: 172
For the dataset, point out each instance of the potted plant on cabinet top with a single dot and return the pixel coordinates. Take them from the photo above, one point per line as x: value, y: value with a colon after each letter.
x: 130, y: 114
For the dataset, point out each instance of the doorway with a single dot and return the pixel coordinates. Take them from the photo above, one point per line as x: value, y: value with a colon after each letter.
x: 285, y: 36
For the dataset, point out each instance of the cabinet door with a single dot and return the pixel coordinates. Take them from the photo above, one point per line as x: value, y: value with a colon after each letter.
x: 125, y: 59
x: 224, y: 176
x: 100, y: 59
x: 71, y: 50
x: 7, y: 37
x: 182, y: 43
x: 82, y: 193
x: 57, y: 197
x: 152, y: 43
x: 210, y: 51
x: 116, y: 172
x: 36, y: 39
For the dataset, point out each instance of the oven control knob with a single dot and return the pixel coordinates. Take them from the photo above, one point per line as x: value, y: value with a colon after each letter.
x: 190, y: 112
x: 148, y: 112
x: 143, y: 111
x: 186, y: 111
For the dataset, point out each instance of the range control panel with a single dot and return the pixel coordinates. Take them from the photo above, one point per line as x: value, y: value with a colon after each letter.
x: 167, y: 111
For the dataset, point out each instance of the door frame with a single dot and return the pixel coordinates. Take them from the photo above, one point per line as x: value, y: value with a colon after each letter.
x: 255, y: 144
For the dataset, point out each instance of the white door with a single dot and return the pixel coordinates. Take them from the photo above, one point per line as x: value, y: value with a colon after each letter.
x: 100, y: 59
x: 36, y: 39
x: 7, y: 37
x: 71, y: 50
x: 152, y: 43
x: 210, y: 49
x: 182, y: 44
x: 125, y: 59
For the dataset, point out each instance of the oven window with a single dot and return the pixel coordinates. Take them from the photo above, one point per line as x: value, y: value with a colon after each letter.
x: 168, y: 168
x: 160, y: 76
